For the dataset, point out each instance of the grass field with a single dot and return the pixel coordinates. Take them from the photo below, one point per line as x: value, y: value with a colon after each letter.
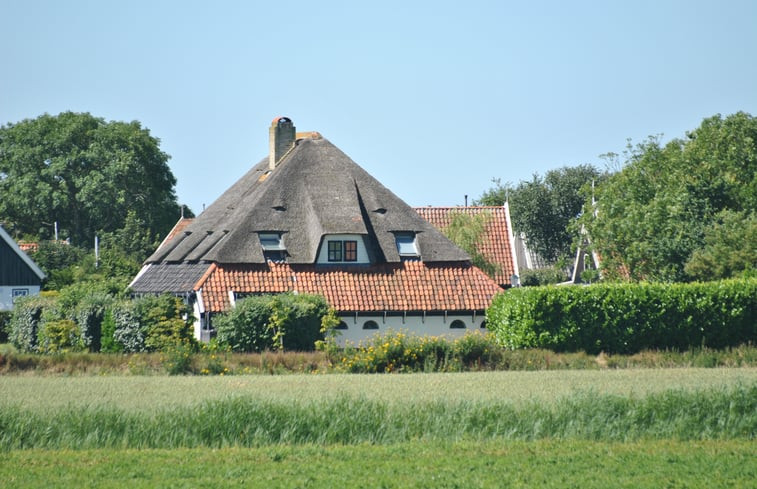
x: 153, y: 392
x: 575, y: 428
x: 542, y: 464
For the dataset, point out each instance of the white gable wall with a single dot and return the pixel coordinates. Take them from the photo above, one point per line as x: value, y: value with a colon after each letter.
x: 413, y: 325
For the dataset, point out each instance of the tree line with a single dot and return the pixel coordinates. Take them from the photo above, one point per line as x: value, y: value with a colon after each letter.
x: 676, y: 212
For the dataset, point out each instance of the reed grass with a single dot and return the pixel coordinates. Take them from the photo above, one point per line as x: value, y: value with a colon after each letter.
x: 242, y: 421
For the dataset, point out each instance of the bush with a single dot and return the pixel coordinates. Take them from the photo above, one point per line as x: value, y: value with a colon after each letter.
x: 542, y: 276
x: 128, y: 333
x: 90, y: 313
x: 5, y: 319
x: 626, y: 318
x: 401, y: 352
x: 26, y: 320
x: 165, y: 322
x: 60, y: 336
x: 283, y: 321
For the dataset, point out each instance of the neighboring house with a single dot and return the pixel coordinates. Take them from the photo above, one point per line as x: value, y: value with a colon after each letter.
x: 19, y: 275
x: 308, y: 219
x: 497, y: 244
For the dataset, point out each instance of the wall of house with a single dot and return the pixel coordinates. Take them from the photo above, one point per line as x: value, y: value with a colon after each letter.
x: 9, y: 292
x: 430, y: 325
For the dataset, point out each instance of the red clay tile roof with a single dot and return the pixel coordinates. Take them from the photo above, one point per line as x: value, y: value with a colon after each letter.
x: 405, y: 286
x: 495, y: 246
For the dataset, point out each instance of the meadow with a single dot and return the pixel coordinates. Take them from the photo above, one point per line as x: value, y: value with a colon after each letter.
x: 681, y: 427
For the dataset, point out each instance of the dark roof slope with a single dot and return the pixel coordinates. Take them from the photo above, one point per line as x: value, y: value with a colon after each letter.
x: 314, y: 190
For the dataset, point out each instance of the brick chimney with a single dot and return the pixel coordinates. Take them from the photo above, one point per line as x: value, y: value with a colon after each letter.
x: 282, y: 135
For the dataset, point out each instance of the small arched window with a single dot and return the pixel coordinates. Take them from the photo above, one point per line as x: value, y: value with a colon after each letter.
x: 483, y: 324
x: 341, y: 325
x: 457, y: 324
x: 370, y: 325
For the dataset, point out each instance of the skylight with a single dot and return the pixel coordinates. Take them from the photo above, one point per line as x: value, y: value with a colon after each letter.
x: 406, y: 244
x: 271, y: 241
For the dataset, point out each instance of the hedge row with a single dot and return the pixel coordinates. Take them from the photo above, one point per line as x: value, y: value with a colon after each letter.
x: 96, y: 321
x: 627, y: 318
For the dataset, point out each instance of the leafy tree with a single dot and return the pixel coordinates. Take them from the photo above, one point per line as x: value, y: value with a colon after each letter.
x: 655, y: 214
x: 84, y: 173
x: 544, y: 208
x: 730, y: 247
x: 467, y: 232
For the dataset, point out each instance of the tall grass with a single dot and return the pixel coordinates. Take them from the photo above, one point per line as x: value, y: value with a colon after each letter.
x: 242, y: 421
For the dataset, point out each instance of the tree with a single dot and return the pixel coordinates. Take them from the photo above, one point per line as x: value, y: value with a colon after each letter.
x: 86, y: 175
x: 543, y: 208
x: 467, y: 232
x: 654, y: 215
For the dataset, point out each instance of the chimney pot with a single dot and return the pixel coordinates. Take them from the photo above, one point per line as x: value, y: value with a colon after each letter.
x: 281, y: 135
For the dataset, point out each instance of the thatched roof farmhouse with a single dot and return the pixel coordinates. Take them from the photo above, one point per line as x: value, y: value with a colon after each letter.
x: 308, y: 219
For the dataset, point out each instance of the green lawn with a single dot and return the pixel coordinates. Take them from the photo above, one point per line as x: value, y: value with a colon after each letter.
x: 542, y: 464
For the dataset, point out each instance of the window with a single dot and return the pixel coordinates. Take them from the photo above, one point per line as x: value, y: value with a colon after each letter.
x: 342, y: 250
x: 335, y: 251
x: 406, y: 245
x: 19, y: 292
x: 457, y: 324
x: 341, y: 325
x: 350, y: 251
x: 370, y: 325
x: 271, y: 241
x: 483, y: 324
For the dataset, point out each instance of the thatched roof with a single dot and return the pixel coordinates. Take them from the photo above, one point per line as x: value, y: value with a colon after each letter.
x: 313, y: 191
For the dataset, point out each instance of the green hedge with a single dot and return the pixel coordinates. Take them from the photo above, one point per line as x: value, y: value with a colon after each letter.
x: 272, y: 322
x: 627, y: 318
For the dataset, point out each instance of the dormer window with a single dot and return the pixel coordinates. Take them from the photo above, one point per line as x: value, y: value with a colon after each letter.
x: 271, y: 241
x: 407, y: 247
x: 348, y: 249
x: 273, y: 246
x: 342, y: 250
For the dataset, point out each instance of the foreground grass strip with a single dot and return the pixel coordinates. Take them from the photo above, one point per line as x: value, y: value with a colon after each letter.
x: 682, y: 415
x: 547, y: 464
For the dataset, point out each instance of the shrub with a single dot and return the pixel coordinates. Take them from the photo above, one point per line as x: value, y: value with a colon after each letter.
x: 60, y: 336
x: 165, y: 321
x: 402, y: 352
x: 626, y: 318
x: 108, y: 343
x: 128, y: 333
x: 542, y: 276
x: 26, y: 321
x: 5, y: 318
x: 283, y: 321
x: 90, y: 313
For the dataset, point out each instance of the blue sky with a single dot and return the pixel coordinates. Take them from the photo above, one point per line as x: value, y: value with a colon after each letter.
x: 433, y: 98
